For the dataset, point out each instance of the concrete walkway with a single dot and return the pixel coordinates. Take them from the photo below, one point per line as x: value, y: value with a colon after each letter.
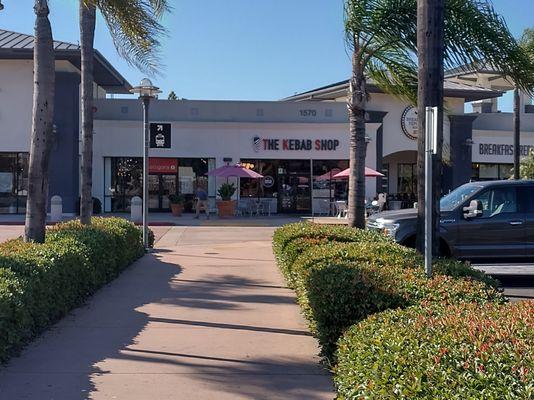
x: 206, y: 316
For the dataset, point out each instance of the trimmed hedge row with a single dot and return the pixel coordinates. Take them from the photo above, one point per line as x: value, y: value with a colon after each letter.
x: 341, y: 282
x: 462, y: 351
x: 292, y: 240
x: 40, y: 283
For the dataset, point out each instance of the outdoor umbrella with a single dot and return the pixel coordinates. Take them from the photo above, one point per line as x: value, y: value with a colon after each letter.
x: 234, y: 170
x: 369, y: 173
x: 237, y: 170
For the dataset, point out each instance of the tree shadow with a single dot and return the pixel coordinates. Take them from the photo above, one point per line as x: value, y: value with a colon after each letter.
x: 95, y: 341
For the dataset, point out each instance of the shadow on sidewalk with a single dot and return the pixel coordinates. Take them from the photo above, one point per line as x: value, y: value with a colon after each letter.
x: 97, y: 341
x: 59, y: 364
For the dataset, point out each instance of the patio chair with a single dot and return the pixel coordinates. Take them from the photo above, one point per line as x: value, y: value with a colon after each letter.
x: 342, y: 209
x: 243, y: 208
x: 266, y: 207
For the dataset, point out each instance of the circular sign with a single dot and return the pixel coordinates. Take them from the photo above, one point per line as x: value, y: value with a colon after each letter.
x: 409, y: 122
x: 268, y: 181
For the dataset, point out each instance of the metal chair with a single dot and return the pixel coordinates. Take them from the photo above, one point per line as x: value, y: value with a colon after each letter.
x: 342, y: 209
x: 242, y: 208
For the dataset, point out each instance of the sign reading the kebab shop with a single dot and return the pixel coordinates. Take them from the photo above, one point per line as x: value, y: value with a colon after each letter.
x: 160, y: 136
x: 260, y: 144
x: 409, y: 122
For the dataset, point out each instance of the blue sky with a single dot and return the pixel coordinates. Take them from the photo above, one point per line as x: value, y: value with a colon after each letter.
x: 239, y: 49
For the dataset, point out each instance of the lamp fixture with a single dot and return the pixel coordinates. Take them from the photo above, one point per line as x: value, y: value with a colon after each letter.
x: 146, y: 90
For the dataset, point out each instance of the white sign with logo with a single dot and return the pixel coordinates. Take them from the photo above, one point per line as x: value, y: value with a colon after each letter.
x: 409, y: 122
x: 268, y: 181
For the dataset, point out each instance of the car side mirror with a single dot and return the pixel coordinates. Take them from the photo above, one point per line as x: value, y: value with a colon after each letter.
x: 474, y: 210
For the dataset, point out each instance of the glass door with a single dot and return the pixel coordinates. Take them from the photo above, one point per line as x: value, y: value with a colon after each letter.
x: 153, y: 192
x: 167, y: 187
x: 159, y: 189
x: 294, y: 187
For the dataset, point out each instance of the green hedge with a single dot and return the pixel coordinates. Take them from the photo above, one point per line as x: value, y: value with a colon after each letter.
x: 40, y: 283
x: 463, y: 351
x: 292, y: 240
x: 341, y: 282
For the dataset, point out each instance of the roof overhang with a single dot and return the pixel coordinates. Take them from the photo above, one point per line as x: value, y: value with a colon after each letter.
x: 105, y: 75
x: 339, y: 89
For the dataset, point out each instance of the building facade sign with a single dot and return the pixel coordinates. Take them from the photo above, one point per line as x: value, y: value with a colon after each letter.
x: 262, y: 144
x: 157, y: 165
x: 489, y: 149
x: 409, y: 122
x: 160, y: 136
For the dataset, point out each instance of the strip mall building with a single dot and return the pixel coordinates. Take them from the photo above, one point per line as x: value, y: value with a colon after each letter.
x: 291, y: 142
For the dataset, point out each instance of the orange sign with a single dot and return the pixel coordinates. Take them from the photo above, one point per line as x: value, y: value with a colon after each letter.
x: 162, y: 165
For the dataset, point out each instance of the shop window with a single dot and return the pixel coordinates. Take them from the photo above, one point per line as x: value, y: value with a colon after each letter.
x: 407, y: 179
x: 124, y: 180
x: 13, y: 182
x: 489, y: 172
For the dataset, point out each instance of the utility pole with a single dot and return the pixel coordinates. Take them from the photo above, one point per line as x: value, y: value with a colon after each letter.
x: 430, y: 50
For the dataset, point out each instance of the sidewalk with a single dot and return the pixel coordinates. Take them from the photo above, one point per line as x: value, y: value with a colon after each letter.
x: 206, y: 316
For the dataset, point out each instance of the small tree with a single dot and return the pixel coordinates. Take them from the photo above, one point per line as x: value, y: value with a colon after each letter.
x: 172, y: 96
x: 526, y: 168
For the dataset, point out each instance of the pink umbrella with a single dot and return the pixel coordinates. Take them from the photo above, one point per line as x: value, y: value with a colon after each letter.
x: 328, y: 175
x: 234, y: 170
x: 369, y: 173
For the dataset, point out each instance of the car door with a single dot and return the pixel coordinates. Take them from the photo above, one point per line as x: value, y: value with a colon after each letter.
x: 527, y: 195
x: 499, y: 232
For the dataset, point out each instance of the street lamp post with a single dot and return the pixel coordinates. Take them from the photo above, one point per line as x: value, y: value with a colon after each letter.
x: 147, y: 92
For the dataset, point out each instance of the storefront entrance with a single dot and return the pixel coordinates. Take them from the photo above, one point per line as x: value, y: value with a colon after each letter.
x: 294, y: 187
x: 159, y: 189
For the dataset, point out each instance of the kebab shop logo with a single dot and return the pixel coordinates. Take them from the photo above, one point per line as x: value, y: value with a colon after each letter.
x: 262, y: 144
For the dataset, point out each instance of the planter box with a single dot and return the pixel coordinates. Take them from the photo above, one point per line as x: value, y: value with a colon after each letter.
x: 226, y: 208
x: 177, y: 209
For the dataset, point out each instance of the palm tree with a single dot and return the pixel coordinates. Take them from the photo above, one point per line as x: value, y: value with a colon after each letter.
x: 377, y: 32
x: 134, y: 28
x: 42, y: 124
x: 473, y: 33
x: 383, y: 37
x: 527, y: 45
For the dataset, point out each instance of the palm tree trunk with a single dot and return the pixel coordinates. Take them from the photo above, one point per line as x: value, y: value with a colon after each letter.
x: 517, y: 132
x: 87, y: 34
x: 357, y: 151
x: 430, y: 46
x: 42, y: 125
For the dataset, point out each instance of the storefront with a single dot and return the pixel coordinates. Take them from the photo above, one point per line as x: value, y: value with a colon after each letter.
x: 291, y: 185
x: 124, y: 180
x: 293, y: 142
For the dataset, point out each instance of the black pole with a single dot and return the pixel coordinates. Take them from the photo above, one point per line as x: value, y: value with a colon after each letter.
x: 517, y: 132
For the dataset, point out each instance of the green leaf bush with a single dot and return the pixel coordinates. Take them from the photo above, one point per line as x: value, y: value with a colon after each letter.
x: 292, y: 240
x: 340, y: 284
x: 40, y: 283
x: 460, y: 351
x: 343, y: 275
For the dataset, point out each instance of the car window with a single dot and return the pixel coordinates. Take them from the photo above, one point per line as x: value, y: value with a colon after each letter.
x: 529, y: 199
x: 497, y: 201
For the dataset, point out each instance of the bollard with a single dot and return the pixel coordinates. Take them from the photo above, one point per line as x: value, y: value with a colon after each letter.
x: 136, y: 209
x: 56, y: 209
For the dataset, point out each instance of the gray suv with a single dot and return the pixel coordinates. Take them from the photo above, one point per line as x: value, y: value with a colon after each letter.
x: 479, y: 220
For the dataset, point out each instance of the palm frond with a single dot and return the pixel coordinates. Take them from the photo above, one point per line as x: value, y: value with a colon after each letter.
x: 135, y: 28
x: 385, y: 33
